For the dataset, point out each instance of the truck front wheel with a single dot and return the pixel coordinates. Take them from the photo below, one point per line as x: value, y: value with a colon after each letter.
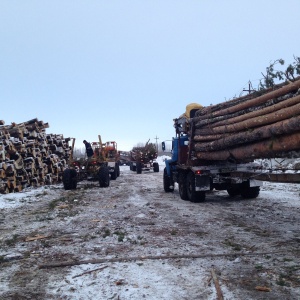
x: 138, y: 168
x: 118, y: 170
x: 103, y: 175
x: 168, y: 182
x: 114, y: 174
x: 155, y: 167
x: 193, y: 195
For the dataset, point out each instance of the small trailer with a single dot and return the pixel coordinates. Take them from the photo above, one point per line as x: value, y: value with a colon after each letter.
x: 143, y: 158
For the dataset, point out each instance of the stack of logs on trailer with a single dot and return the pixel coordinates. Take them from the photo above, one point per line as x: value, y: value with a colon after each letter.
x: 264, y: 124
x: 31, y: 157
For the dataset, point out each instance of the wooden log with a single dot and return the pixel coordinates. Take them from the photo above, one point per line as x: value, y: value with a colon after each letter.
x: 2, y: 173
x: 12, y: 184
x: 274, y: 117
x: 245, y: 137
x: 236, y: 101
x: 241, y: 116
x: 217, y: 285
x: 274, y: 148
x: 31, y: 121
x: 70, y: 263
x: 271, y: 177
x: 209, y: 138
x: 3, y: 187
x: 3, y: 165
x: 18, y: 188
x: 294, y: 86
x: 26, y: 145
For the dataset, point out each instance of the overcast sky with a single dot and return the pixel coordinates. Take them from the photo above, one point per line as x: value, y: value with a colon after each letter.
x: 125, y: 69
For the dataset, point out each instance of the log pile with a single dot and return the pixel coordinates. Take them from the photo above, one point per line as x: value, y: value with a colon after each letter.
x: 144, y: 154
x: 250, y: 127
x: 31, y: 157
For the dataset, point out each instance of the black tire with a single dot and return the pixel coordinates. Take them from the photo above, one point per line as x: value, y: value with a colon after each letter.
x: 167, y: 182
x: 234, y: 191
x: 130, y: 166
x: 69, y: 179
x: 250, y: 192
x: 103, y: 176
x: 182, y: 187
x: 118, y: 170
x: 193, y: 195
x: 155, y: 167
x: 114, y: 174
x: 133, y: 168
x: 138, y: 168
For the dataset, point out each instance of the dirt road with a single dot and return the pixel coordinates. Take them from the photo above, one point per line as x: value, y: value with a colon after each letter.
x: 134, y: 241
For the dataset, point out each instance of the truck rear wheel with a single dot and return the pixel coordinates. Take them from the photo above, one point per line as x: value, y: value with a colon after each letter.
x: 103, y: 175
x: 193, y: 195
x: 233, y: 191
x: 182, y: 187
x: 118, y: 170
x: 113, y: 175
x: 138, y: 168
x: 168, y: 182
x: 250, y: 192
x: 155, y: 167
x: 69, y: 179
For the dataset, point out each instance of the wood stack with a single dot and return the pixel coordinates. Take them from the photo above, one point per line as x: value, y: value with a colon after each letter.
x: 145, y: 153
x: 30, y: 157
x: 259, y: 125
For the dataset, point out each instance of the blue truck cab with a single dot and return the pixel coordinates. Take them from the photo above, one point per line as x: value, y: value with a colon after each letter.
x: 179, y: 153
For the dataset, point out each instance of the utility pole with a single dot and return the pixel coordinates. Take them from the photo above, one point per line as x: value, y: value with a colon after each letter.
x: 250, y: 88
x: 156, y: 138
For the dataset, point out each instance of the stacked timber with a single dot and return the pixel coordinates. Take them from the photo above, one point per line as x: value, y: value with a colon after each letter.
x: 31, y: 157
x: 259, y: 125
x: 145, y: 153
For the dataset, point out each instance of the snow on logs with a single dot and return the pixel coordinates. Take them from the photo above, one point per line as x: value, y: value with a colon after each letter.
x: 265, y: 125
x: 30, y: 157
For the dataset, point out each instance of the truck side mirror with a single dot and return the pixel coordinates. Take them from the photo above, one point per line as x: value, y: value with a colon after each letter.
x: 163, y: 146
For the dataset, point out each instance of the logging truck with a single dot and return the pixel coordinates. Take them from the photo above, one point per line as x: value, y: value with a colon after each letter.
x: 102, y: 166
x: 143, y: 158
x: 226, y: 146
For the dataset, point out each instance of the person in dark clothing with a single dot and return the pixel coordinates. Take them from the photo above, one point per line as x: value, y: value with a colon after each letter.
x: 88, y: 149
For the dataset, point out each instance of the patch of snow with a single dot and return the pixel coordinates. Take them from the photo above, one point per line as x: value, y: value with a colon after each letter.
x: 161, y: 159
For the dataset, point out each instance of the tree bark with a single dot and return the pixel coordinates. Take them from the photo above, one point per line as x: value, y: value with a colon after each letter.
x: 277, y: 147
x: 245, y: 137
x: 294, y: 86
x: 243, y: 115
x: 254, y: 122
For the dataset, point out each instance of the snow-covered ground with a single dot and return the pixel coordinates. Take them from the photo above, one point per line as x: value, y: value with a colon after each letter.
x: 134, y: 241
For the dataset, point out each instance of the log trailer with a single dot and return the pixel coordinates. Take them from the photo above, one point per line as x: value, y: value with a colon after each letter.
x: 143, y: 158
x: 111, y: 155
x: 101, y: 167
x: 232, y: 146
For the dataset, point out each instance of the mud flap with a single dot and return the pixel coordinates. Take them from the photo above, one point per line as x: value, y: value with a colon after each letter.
x: 254, y: 182
x: 202, y: 183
